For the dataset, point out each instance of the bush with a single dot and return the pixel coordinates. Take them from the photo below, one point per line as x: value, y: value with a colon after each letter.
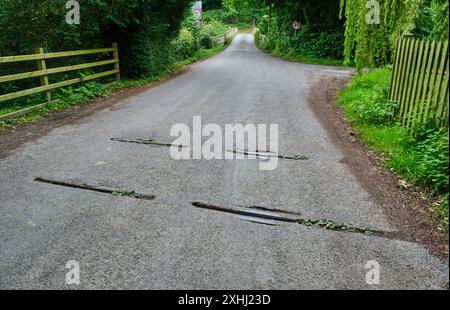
x: 226, y: 17
x: 322, y: 44
x: 366, y: 98
x: 185, y: 45
x: 143, y: 29
x: 213, y: 28
x: 305, y: 42
x: 205, y: 42
x: 237, y: 13
x: 320, y: 37
x: 432, y: 160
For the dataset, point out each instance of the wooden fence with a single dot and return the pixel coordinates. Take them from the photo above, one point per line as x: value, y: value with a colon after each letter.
x: 43, y: 72
x: 420, y: 82
x: 222, y: 39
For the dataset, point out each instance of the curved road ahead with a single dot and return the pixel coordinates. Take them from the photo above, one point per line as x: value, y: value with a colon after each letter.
x: 167, y: 243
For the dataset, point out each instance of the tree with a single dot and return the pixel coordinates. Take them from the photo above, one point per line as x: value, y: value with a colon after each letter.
x: 143, y: 29
x: 373, y: 44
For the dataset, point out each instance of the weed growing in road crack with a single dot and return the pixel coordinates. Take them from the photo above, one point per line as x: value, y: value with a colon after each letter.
x: 332, y: 225
x: 131, y: 194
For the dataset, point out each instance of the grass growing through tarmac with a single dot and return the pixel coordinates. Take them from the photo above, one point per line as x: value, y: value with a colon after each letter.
x: 419, y: 156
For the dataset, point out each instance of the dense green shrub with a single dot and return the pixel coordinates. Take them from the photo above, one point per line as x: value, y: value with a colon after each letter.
x: 142, y: 28
x: 185, y: 45
x: 205, y: 42
x: 212, y: 4
x: 366, y: 98
x: 432, y: 160
x: 239, y: 13
x: 224, y: 16
x: 213, y: 28
x: 321, y: 35
x: 321, y: 44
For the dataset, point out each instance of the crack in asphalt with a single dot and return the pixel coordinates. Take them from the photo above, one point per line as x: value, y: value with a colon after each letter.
x: 255, y: 213
x: 264, y: 155
x: 268, y: 155
x: 149, y: 142
x: 95, y: 188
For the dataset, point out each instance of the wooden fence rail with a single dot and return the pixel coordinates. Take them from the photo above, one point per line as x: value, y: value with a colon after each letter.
x: 222, y: 39
x: 43, y: 72
x: 420, y: 82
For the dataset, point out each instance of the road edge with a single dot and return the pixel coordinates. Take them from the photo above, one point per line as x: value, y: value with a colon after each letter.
x: 404, y: 208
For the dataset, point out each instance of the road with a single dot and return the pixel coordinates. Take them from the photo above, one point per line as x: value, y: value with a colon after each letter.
x: 167, y: 243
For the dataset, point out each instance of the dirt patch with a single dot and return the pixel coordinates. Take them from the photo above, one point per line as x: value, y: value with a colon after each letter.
x: 13, y: 138
x: 406, y: 209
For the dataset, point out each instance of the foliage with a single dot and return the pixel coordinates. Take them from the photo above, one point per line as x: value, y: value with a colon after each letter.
x: 145, y: 30
x: 72, y: 96
x: 373, y: 44
x: 148, y: 58
x: 420, y: 156
x: 321, y: 34
x: 366, y: 97
x: 224, y: 16
x: 235, y: 12
x: 439, y: 15
x: 212, y: 4
x: 185, y: 44
x: 213, y: 28
x: 241, y: 12
x: 142, y: 28
x: 432, y: 163
x: 432, y: 20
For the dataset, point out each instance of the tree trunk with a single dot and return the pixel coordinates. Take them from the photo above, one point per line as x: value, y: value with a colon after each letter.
x: 305, y: 14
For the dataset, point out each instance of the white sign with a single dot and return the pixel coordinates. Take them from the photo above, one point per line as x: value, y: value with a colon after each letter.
x: 198, y: 10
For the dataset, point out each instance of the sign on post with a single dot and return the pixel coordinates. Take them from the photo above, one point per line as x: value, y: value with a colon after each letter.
x: 198, y: 10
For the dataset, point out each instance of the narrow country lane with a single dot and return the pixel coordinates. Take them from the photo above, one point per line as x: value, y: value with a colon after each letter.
x: 167, y: 243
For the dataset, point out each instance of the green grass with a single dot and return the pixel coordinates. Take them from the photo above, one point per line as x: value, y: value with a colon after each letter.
x: 291, y: 55
x: 308, y: 59
x: 419, y: 156
x: 73, y: 96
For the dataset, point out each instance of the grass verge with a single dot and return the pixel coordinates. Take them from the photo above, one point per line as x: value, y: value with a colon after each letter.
x: 292, y: 56
x: 306, y: 59
x: 73, y: 96
x: 418, y: 156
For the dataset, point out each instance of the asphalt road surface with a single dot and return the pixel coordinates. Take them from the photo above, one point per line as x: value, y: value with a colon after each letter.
x: 122, y: 242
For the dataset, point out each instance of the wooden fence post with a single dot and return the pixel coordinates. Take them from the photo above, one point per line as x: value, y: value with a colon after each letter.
x: 116, y: 56
x: 42, y: 66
